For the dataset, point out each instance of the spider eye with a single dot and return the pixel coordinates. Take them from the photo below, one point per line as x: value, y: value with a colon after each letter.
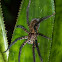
x: 29, y: 40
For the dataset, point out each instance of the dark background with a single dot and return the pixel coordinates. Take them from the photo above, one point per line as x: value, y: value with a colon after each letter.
x: 10, y: 10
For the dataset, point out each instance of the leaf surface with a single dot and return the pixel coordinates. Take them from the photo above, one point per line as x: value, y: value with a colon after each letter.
x: 38, y: 9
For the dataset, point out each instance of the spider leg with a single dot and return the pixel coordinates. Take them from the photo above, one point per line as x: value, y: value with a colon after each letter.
x: 34, y: 52
x: 44, y: 18
x: 20, y: 26
x: 44, y: 36
x: 20, y: 50
x: 20, y: 38
x: 28, y: 12
x: 38, y: 51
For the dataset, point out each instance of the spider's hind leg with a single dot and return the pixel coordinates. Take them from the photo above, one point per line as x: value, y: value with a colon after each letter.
x: 20, y: 50
x: 33, y: 52
x: 20, y: 38
x: 38, y: 51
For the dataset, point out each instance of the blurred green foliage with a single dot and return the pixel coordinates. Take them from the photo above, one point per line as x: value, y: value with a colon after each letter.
x: 3, y: 39
x: 56, y: 50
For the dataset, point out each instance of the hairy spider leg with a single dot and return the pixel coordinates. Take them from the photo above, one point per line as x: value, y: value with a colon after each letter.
x: 44, y: 36
x: 44, y: 18
x: 20, y: 50
x: 34, y: 52
x: 20, y: 38
x: 28, y: 12
x: 20, y: 26
x: 38, y: 50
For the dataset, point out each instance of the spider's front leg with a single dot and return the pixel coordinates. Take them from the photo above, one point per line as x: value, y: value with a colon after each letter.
x: 38, y: 50
x: 20, y: 38
x: 20, y: 50
x: 28, y: 12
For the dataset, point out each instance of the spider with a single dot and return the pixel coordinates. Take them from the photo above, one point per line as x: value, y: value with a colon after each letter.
x: 32, y: 34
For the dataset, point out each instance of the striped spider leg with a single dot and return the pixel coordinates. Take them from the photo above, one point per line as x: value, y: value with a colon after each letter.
x: 32, y: 34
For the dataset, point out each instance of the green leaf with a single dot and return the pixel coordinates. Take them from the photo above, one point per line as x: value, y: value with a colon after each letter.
x: 56, y: 51
x: 38, y: 9
x: 3, y: 39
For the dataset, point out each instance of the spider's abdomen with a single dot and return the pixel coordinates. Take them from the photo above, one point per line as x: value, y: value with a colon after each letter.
x: 31, y: 26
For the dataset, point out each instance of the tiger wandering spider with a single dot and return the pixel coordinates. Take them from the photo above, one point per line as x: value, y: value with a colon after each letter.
x: 32, y: 34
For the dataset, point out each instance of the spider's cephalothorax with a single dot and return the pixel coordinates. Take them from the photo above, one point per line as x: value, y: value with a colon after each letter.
x: 31, y: 38
x: 32, y: 35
